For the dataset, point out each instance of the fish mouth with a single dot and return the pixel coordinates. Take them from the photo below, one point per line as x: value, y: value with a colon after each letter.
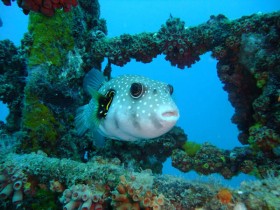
x: 170, y: 114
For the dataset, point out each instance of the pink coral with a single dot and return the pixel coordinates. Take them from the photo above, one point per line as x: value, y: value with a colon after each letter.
x: 233, y: 43
x: 129, y: 195
x: 264, y: 138
x: 82, y: 197
x: 178, y: 47
x: 13, y: 182
x: 46, y: 7
x: 56, y: 186
x: 219, y: 52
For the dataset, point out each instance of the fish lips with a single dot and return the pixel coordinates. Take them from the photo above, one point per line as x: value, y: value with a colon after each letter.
x: 170, y: 116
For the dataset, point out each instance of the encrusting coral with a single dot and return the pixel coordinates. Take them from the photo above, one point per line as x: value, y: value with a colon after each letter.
x: 56, y: 186
x: 106, y: 184
x: 46, y: 7
x: 82, y: 197
x: 12, y: 74
x: 262, y: 194
x: 13, y: 183
x: 178, y: 44
x: 210, y: 159
x: 224, y: 195
x: 135, y: 192
x: 52, y: 45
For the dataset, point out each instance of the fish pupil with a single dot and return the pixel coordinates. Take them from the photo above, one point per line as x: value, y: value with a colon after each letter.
x: 136, y: 90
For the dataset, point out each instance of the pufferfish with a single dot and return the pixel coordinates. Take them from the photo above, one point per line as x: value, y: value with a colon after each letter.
x: 127, y: 107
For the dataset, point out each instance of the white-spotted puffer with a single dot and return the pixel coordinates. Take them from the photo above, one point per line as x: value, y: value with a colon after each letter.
x: 128, y: 107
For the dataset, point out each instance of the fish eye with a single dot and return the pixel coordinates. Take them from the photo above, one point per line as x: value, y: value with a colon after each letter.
x: 136, y: 90
x: 171, y: 89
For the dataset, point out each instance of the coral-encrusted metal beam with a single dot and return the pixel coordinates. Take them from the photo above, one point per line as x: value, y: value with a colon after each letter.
x: 110, y: 184
x: 183, y: 45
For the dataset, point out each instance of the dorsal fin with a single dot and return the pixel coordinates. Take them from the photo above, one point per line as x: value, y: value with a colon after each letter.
x: 93, y: 80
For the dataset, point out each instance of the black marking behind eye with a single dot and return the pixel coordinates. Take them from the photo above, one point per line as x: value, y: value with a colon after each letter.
x: 171, y: 89
x: 105, y: 103
x: 136, y: 90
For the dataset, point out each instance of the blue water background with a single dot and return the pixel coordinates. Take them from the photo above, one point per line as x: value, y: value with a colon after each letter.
x: 204, y: 108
